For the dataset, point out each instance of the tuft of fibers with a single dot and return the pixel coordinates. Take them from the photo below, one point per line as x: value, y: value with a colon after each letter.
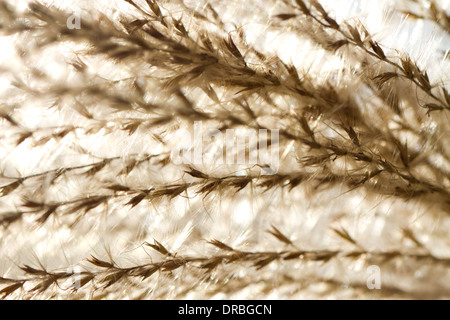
x: 115, y: 177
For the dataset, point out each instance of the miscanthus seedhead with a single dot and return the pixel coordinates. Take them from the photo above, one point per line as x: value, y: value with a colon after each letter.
x: 210, y: 149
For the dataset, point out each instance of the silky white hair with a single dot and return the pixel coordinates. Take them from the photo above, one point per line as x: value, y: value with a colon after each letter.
x: 93, y: 206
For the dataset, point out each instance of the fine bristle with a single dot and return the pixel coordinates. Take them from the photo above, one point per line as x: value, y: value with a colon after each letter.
x: 116, y: 123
